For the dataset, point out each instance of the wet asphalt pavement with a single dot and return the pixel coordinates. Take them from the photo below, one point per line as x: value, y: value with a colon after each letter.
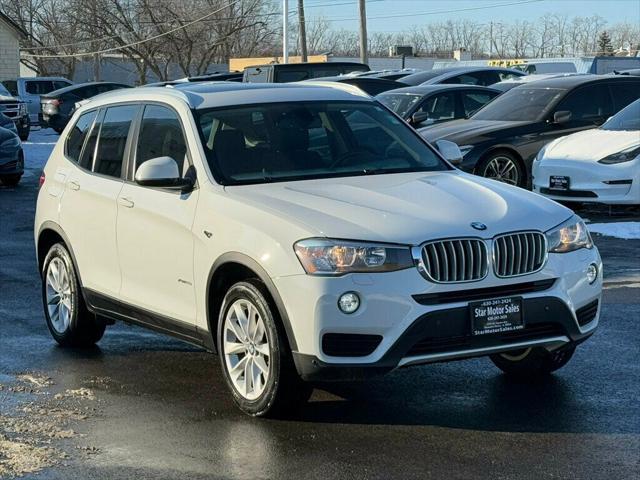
x: 162, y: 409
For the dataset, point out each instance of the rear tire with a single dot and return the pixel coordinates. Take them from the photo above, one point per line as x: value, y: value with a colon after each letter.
x: 70, y: 322
x: 254, y: 354
x: 11, y: 180
x: 532, y: 361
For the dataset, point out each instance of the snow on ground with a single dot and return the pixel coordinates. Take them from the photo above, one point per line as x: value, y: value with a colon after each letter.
x: 37, y: 150
x: 625, y: 230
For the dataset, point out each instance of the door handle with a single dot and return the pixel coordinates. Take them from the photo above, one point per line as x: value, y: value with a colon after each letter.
x: 73, y: 185
x: 126, y: 202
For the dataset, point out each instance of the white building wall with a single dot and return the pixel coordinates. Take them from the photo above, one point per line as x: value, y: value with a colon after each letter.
x: 9, y: 53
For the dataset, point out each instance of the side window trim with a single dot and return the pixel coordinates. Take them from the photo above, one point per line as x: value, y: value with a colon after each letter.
x: 135, y: 130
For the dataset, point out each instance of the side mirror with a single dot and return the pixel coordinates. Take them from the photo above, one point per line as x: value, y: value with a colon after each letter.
x: 450, y: 151
x: 562, y: 116
x: 162, y: 172
x: 419, y: 117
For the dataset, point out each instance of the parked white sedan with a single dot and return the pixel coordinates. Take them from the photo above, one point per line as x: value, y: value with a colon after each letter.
x: 600, y: 165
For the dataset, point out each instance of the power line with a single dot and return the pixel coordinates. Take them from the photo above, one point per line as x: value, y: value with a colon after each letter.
x: 133, y: 44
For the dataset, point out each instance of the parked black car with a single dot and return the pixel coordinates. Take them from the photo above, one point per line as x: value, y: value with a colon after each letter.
x: 501, y: 140
x: 57, y: 107
x: 483, y: 76
x: 428, y: 104
x: 296, y: 72
x: 369, y: 85
x: 11, y: 158
x: 16, y: 110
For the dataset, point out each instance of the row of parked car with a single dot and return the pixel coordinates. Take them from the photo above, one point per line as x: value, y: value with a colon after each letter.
x: 500, y: 118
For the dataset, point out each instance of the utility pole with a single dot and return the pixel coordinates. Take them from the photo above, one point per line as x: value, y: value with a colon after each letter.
x: 96, y: 67
x: 285, y: 28
x: 364, y: 57
x: 303, y: 30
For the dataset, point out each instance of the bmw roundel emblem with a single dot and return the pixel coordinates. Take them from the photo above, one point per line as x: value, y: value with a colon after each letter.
x: 478, y: 225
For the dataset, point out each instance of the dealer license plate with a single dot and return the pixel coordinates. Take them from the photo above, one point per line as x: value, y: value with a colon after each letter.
x: 497, y: 315
x: 559, y: 183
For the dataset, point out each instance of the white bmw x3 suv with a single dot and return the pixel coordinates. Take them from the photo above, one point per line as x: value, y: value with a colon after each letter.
x: 304, y: 233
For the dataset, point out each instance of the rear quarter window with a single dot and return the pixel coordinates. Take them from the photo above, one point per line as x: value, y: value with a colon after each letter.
x: 77, y: 136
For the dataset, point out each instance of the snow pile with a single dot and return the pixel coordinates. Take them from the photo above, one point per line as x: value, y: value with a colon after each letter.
x: 37, y: 150
x: 625, y: 230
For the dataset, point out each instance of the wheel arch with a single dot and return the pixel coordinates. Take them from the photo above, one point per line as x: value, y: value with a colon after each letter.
x: 49, y: 234
x: 231, y: 268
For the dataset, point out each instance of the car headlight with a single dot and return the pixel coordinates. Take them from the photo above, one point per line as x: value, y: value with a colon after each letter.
x: 541, y: 153
x: 321, y: 256
x: 465, y: 149
x: 624, y: 156
x: 569, y: 236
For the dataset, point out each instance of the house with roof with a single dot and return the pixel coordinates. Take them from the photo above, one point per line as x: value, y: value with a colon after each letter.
x: 10, y: 35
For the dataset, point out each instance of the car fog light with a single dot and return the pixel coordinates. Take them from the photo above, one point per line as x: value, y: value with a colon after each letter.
x: 592, y: 273
x: 349, y: 302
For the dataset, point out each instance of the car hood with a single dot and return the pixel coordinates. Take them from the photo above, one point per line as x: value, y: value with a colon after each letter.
x: 463, y: 131
x: 407, y: 208
x: 591, y: 145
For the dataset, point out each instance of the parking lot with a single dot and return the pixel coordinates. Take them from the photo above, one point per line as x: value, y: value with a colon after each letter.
x: 141, y: 405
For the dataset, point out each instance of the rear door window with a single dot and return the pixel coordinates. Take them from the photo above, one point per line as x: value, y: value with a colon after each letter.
x: 113, y: 140
x: 78, y: 134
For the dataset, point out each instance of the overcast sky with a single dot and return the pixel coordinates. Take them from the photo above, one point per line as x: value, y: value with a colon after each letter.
x: 402, y: 14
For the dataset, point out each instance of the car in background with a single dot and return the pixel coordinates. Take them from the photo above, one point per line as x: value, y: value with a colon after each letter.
x: 517, y: 81
x: 29, y: 90
x: 58, y: 106
x: 296, y: 72
x: 393, y: 74
x: 601, y: 165
x: 501, y: 140
x: 483, y: 76
x: 535, y: 67
x: 428, y: 104
x: 218, y: 77
x: 16, y: 110
x: 370, y: 85
x: 11, y: 158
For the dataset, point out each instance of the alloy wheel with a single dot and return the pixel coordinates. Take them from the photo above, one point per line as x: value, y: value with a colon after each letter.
x: 246, y: 349
x: 59, y: 295
x: 502, y: 169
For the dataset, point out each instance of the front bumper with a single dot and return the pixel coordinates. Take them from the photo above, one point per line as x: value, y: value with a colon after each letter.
x: 617, y: 184
x: 401, y: 312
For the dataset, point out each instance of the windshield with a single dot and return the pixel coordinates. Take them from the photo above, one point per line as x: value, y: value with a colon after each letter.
x: 305, y: 140
x: 520, y: 104
x: 4, y: 92
x: 401, y: 103
x: 626, y: 119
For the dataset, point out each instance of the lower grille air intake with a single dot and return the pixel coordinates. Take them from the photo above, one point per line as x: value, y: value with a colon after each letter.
x: 349, y: 344
x: 587, y: 313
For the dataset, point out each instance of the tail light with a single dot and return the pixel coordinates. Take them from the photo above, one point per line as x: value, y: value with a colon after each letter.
x: 41, y: 180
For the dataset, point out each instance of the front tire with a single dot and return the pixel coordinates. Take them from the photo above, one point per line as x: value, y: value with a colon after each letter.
x: 503, y: 167
x: 254, y: 355
x: 532, y: 361
x: 70, y: 322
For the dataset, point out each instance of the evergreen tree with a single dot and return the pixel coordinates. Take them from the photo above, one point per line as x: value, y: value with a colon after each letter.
x: 604, y: 44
